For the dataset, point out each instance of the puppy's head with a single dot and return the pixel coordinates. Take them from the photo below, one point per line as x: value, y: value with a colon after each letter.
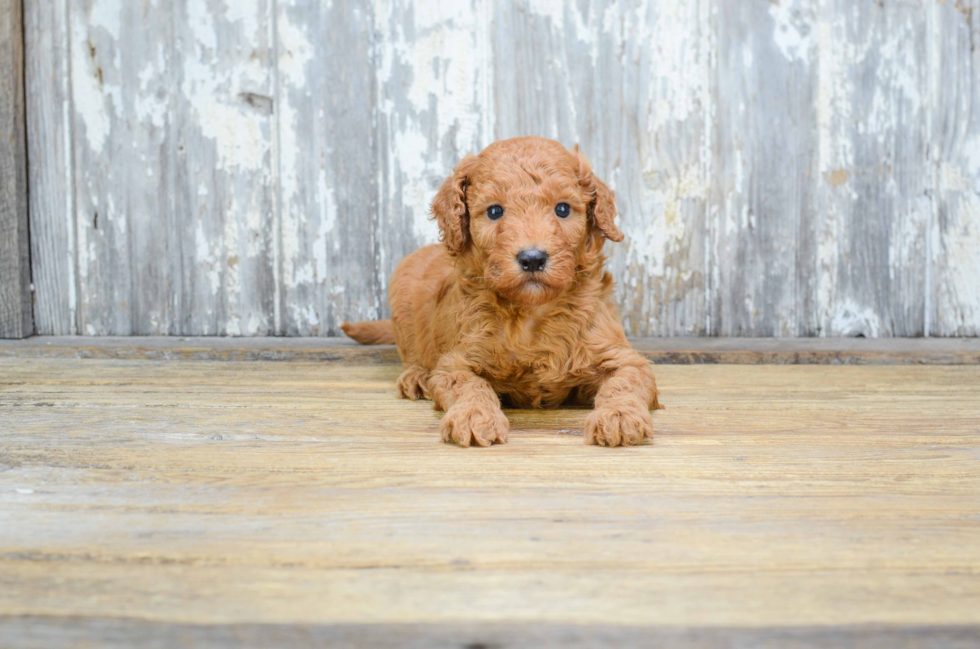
x: 524, y: 216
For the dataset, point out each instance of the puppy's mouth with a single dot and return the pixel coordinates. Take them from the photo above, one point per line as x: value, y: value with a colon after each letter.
x: 539, y: 281
x: 534, y: 290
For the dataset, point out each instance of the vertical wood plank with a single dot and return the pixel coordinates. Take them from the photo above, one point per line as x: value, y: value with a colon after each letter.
x: 955, y: 150
x: 821, y: 124
x: 119, y: 149
x: 763, y: 166
x: 16, y: 309
x: 225, y: 181
x: 434, y: 106
x: 873, y: 186
x: 50, y: 173
x: 629, y: 83
x: 329, y: 165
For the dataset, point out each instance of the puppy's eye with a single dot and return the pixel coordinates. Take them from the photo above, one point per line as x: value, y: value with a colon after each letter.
x: 494, y: 212
x: 563, y: 210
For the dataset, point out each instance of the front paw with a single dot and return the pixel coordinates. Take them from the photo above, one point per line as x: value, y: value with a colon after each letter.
x: 618, y: 425
x: 466, y: 424
x: 413, y: 382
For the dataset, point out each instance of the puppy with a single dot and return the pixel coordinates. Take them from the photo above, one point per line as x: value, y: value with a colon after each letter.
x: 514, y: 304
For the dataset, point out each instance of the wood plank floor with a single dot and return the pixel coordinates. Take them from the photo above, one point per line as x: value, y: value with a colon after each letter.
x: 198, y: 501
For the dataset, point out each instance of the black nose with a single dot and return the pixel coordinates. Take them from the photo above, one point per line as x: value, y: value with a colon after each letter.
x: 532, y: 259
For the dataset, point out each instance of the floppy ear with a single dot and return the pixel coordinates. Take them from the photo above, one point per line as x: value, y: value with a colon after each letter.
x: 602, y: 205
x: 449, y: 208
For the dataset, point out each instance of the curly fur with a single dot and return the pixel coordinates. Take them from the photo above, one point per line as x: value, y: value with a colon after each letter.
x: 473, y: 328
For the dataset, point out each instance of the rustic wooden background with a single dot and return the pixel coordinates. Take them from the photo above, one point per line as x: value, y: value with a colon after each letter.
x: 257, y: 167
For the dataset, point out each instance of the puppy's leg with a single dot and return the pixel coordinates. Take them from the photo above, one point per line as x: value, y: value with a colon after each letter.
x: 413, y: 383
x: 473, y: 414
x: 623, y: 403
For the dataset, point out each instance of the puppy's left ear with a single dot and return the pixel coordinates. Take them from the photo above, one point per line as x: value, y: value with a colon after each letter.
x: 602, y: 205
x: 450, y: 210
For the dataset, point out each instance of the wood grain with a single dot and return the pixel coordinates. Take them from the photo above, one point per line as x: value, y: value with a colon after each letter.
x: 763, y: 168
x: 226, y: 167
x: 955, y: 140
x: 328, y: 166
x: 111, y: 166
x: 204, y: 493
x: 51, y: 172
x: 873, y: 196
x: 16, y: 308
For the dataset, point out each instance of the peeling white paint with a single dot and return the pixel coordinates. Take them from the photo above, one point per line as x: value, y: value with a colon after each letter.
x: 791, y: 29
x: 213, y: 93
x: 107, y: 15
x: 971, y: 160
x: 907, y: 239
x: 242, y: 13
x: 150, y: 106
x: 445, y: 72
x: 961, y: 265
x: 662, y: 194
x: 63, y: 170
x: 677, y: 90
x: 328, y: 219
x: 852, y: 319
x: 295, y: 149
x: 311, y: 317
x: 231, y: 273
x: 87, y: 90
x: 828, y: 259
x: 207, y: 258
x: 297, y: 53
x: 835, y: 87
x: 551, y: 9
x: 951, y: 178
x: 567, y: 20
x: 201, y: 23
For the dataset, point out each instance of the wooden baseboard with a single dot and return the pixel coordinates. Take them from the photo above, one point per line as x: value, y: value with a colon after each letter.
x: 684, y: 351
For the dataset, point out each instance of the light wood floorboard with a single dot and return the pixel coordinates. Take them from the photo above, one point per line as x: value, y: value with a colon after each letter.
x: 209, y: 493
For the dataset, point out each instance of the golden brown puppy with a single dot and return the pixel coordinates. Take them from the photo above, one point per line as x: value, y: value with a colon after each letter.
x: 514, y: 303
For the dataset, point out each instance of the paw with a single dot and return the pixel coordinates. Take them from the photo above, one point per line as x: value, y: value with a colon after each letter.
x: 611, y: 425
x: 466, y: 424
x: 412, y: 383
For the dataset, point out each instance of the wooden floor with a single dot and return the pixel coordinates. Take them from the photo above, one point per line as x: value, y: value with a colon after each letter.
x: 263, y: 503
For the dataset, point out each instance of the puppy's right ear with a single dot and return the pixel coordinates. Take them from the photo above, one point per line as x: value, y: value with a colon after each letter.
x: 449, y: 208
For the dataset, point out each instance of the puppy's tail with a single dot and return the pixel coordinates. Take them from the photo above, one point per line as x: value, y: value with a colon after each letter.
x: 378, y: 332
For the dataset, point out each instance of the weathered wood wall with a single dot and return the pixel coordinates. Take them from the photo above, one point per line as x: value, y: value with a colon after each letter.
x: 792, y: 168
x: 16, y: 310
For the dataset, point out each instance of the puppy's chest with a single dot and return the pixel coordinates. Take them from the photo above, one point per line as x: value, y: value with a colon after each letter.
x: 539, y: 366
